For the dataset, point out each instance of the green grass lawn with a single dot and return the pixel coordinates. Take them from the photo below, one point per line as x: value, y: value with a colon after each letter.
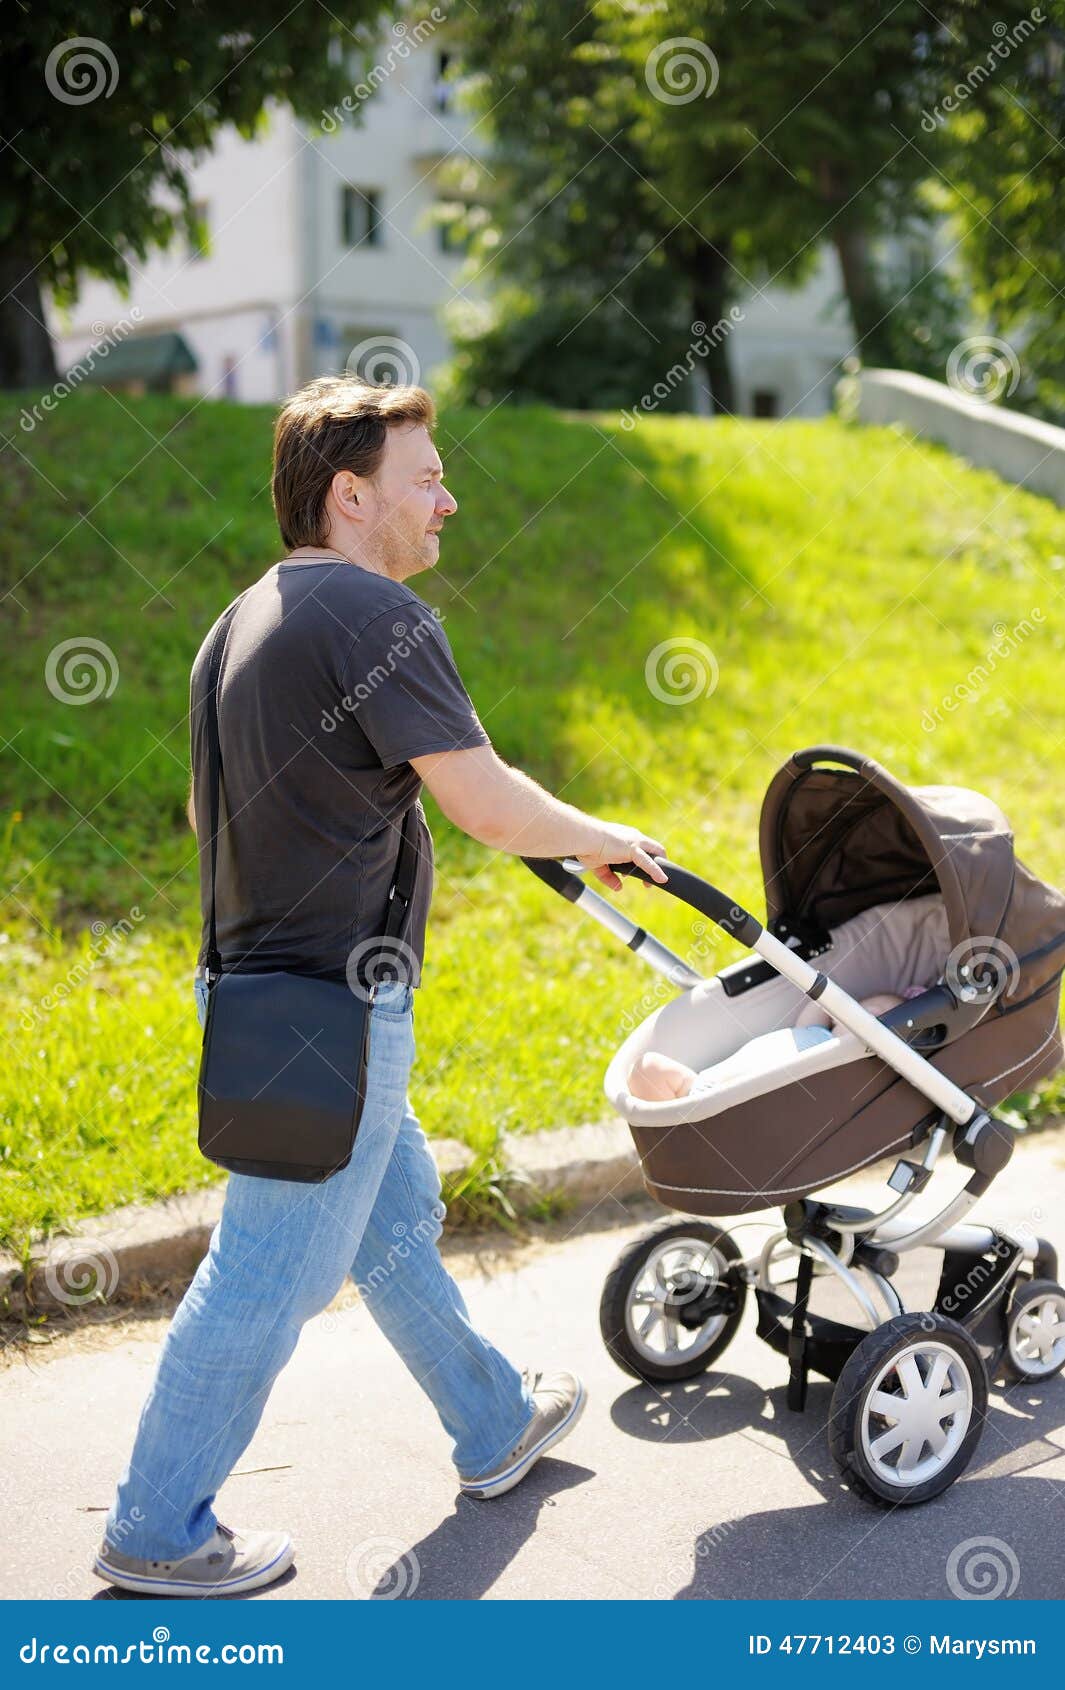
x: 845, y: 581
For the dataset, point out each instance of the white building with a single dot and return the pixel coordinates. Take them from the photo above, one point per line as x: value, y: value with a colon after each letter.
x: 324, y: 246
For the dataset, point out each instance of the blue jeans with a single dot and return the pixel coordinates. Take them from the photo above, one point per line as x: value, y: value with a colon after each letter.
x: 279, y: 1255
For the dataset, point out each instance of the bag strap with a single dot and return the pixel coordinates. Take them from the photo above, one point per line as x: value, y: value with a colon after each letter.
x: 406, y: 874
x: 407, y: 857
x: 214, y: 776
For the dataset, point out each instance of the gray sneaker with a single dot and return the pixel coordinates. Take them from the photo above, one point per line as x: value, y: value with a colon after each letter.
x: 228, y: 1563
x: 559, y: 1399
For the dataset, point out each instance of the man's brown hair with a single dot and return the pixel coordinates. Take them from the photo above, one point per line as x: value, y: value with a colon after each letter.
x: 334, y: 423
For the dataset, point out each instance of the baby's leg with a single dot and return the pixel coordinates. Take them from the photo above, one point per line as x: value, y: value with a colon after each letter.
x: 878, y: 1004
x: 655, y: 1077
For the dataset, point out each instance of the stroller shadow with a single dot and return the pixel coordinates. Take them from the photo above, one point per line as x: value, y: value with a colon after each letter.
x: 464, y: 1556
x: 712, y: 1405
x: 829, y: 1547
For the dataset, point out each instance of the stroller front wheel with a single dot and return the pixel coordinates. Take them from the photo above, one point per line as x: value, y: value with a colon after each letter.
x: 908, y: 1409
x: 1035, y: 1332
x: 672, y: 1301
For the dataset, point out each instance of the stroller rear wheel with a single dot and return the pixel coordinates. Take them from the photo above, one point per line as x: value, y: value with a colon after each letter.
x: 1035, y: 1331
x: 908, y: 1409
x: 672, y: 1301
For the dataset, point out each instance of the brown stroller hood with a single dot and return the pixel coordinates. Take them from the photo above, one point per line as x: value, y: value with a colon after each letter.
x: 835, y: 842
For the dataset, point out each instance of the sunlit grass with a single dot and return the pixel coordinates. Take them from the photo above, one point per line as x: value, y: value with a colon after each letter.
x: 845, y: 581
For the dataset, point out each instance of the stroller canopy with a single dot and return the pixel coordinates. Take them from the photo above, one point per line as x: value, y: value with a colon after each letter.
x: 836, y: 840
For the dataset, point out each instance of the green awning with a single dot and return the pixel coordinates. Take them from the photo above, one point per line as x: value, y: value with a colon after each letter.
x: 140, y: 357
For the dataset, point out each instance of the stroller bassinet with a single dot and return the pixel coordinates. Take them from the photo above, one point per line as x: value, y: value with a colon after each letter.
x: 889, y: 888
x: 933, y: 862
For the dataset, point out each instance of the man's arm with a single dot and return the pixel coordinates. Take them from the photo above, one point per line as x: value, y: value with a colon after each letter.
x: 190, y: 810
x: 503, y: 808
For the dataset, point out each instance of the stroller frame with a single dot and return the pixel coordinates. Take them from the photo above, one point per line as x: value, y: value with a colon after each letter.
x: 994, y: 1289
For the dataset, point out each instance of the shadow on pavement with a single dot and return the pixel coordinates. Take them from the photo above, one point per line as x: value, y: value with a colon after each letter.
x: 465, y: 1555
x: 996, y: 1532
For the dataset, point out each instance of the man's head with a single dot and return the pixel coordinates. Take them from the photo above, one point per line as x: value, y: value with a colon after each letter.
x: 356, y: 471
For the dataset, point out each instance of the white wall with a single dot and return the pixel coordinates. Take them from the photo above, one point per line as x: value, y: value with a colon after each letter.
x: 394, y: 143
x: 279, y: 295
x: 1018, y: 448
x: 792, y: 343
x: 227, y: 303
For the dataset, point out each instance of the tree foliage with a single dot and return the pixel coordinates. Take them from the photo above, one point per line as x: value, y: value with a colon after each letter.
x: 721, y: 145
x: 105, y: 106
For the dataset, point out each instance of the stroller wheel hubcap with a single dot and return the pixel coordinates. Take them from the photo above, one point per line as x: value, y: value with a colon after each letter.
x: 676, y: 1274
x: 916, y: 1413
x: 1037, y: 1335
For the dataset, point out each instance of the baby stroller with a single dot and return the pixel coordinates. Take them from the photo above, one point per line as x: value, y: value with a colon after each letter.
x: 841, y: 839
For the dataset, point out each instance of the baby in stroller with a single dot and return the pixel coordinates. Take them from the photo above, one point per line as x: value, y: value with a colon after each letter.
x: 655, y: 1077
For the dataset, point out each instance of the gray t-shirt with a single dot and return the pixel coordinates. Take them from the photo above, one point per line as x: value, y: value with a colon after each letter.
x: 332, y: 679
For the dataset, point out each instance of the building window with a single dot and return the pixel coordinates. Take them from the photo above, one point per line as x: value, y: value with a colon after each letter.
x: 198, y: 247
x: 360, y: 216
x: 765, y: 402
x: 453, y: 232
x: 443, y: 89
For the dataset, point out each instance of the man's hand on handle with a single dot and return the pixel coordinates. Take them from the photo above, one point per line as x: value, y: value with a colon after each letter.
x: 624, y: 845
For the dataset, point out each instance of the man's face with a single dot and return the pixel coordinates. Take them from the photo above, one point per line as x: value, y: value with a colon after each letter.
x: 407, y: 504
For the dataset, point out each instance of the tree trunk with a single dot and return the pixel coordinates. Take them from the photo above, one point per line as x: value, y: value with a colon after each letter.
x: 711, y: 292
x: 869, y: 311
x: 27, y: 357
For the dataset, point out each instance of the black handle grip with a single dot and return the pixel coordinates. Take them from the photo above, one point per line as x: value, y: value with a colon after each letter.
x: 833, y: 754
x: 724, y: 911
x: 551, y: 872
x: 731, y: 917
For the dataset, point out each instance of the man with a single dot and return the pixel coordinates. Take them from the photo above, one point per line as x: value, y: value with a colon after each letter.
x: 338, y: 698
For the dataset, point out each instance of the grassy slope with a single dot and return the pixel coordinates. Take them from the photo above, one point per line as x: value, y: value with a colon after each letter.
x: 845, y: 581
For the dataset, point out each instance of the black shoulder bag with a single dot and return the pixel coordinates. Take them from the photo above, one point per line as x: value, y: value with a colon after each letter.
x: 283, y: 1071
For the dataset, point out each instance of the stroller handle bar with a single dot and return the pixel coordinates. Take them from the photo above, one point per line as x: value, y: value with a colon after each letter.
x: 836, y: 754
x: 738, y: 923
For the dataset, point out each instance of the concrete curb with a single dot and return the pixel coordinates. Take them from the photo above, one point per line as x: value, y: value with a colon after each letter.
x: 122, y: 1256
x: 1017, y: 447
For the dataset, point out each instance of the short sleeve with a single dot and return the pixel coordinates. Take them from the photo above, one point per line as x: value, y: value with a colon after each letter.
x: 402, y: 686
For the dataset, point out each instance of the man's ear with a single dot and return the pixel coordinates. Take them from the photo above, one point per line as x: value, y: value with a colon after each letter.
x: 348, y: 494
